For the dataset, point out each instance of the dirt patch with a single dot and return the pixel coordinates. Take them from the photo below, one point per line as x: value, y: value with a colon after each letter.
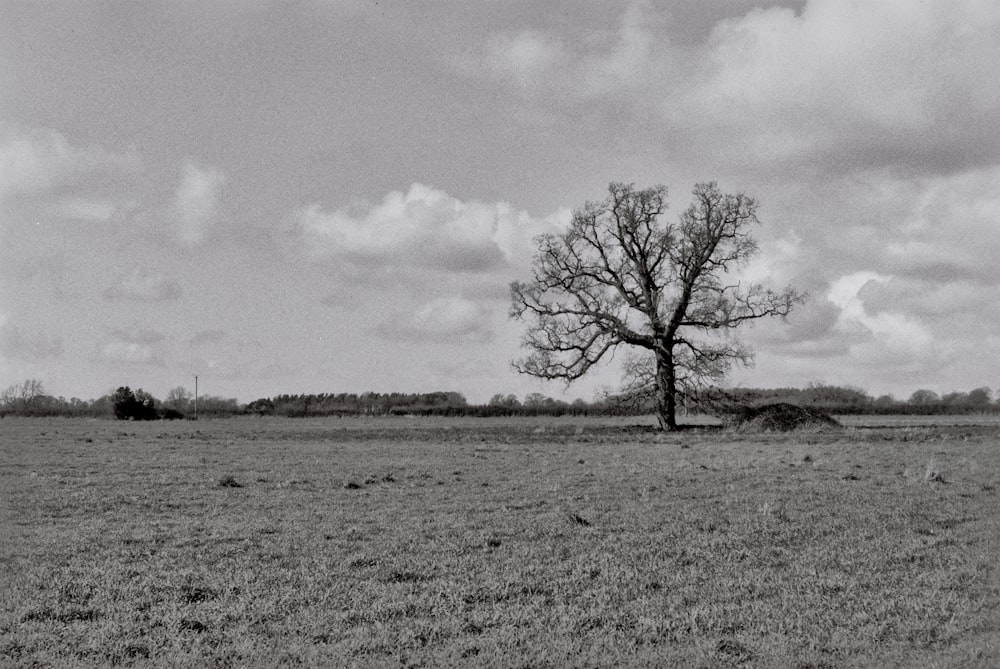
x: 780, y: 417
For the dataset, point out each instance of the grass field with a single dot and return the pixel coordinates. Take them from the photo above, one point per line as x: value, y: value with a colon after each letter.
x: 520, y: 543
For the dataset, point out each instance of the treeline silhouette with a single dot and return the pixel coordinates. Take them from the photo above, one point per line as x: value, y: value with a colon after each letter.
x: 843, y: 400
x: 364, y: 404
x: 30, y: 399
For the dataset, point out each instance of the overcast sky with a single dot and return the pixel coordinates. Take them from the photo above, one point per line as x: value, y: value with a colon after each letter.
x: 334, y: 196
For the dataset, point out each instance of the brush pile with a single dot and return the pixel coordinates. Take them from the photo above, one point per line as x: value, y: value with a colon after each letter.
x: 781, y: 417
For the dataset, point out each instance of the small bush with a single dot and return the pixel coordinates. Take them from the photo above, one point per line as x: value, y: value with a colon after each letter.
x: 229, y: 482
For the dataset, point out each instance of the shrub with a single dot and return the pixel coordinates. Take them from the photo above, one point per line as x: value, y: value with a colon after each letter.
x: 139, y: 405
x: 229, y: 481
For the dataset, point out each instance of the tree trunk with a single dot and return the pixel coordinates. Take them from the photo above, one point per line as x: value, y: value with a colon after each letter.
x: 666, y: 391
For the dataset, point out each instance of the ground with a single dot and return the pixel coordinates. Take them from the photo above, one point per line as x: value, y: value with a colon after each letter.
x: 523, y: 542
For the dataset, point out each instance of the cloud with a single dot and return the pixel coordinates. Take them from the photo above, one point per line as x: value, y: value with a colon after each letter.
x: 598, y: 65
x: 423, y: 267
x: 91, y: 210
x: 949, y: 227
x: 905, y: 267
x: 130, y: 353
x: 928, y: 298
x: 850, y: 86
x: 854, y: 84
x: 813, y: 324
x: 196, y: 200
x: 933, y: 240
x: 425, y: 227
x: 16, y: 343
x: 777, y: 260
x: 139, y: 347
x: 526, y: 58
x: 896, y: 329
x: 447, y: 320
x: 142, y: 286
x: 37, y: 161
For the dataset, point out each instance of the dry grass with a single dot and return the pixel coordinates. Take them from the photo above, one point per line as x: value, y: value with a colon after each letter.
x: 496, y: 543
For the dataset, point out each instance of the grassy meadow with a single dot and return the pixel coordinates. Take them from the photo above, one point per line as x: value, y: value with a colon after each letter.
x: 509, y: 543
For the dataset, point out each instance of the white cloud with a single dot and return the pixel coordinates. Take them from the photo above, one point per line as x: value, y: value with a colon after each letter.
x: 896, y: 329
x: 848, y: 84
x: 844, y: 291
x: 140, y: 347
x: 578, y: 68
x: 776, y: 262
x: 446, y: 320
x: 950, y: 227
x: 867, y: 84
x: 426, y: 227
x: 36, y: 161
x: 908, y: 265
x: 525, y: 58
x: 196, y: 201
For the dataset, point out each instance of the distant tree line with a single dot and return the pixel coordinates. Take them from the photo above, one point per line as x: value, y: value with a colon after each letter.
x: 30, y: 399
x: 851, y: 400
x: 364, y: 404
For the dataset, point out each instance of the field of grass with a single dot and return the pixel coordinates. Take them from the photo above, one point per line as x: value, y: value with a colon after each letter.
x: 520, y: 543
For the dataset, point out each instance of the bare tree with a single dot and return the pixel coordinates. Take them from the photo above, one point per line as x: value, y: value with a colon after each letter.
x: 21, y: 397
x: 923, y: 397
x: 178, y: 398
x: 500, y: 400
x: 618, y: 276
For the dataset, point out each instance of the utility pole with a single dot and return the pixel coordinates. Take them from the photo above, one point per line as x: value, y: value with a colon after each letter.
x: 196, y: 397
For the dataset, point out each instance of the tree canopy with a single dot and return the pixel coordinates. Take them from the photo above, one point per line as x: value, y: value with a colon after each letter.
x: 620, y: 276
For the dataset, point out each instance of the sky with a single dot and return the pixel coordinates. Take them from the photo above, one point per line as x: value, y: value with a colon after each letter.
x: 334, y: 196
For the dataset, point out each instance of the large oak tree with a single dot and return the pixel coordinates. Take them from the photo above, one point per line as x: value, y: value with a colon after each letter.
x: 620, y: 276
